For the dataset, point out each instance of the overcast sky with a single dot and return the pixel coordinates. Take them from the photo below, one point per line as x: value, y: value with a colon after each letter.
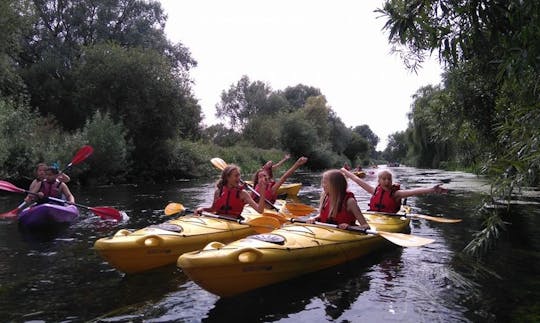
x: 336, y: 46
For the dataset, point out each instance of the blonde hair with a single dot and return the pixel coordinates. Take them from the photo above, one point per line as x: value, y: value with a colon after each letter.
x: 337, y: 187
x: 385, y: 172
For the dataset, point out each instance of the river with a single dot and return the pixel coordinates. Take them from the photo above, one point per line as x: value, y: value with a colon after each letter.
x: 60, y: 278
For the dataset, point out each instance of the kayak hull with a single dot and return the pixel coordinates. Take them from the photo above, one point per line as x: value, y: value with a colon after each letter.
x: 294, y: 250
x: 160, y: 245
x: 47, y: 215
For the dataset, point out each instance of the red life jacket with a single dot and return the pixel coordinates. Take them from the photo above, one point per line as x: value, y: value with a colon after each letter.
x: 50, y: 190
x: 383, y: 201
x: 269, y: 195
x: 342, y: 215
x: 229, y: 202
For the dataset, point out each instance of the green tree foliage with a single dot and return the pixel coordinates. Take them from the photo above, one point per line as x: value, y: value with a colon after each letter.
x: 298, y: 136
x: 365, y: 132
x: 110, y: 160
x: 357, y: 148
x: 220, y: 135
x: 243, y: 101
x: 491, y: 51
x: 13, y: 25
x: 62, y: 29
x: 137, y: 88
x: 340, y: 135
x: 297, y: 95
x: 396, y: 149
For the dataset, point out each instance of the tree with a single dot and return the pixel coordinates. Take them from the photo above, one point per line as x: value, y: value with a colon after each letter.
x: 63, y: 29
x: 298, y: 95
x: 136, y: 86
x: 243, y: 101
x: 358, y: 147
x: 396, y: 149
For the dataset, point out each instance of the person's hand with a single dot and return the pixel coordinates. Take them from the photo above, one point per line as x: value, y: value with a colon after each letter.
x: 40, y: 195
x: 343, y: 226
x: 364, y: 226
x: 301, y: 161
x: 198, y: 211
x: 311, y: 220
x: 345, y: 171
x: 437, y: 189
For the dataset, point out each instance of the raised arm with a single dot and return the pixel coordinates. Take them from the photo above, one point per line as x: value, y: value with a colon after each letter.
x: 301, y: 161
x: 279, y: 163
x: 363, y: 184
x: 437, y: 189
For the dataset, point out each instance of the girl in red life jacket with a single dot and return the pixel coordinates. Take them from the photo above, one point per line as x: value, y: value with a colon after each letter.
x: 41, y: 169
x: 386, y: 197
x: 52, y: 187
x: 271, y: 185
x: 338, y: 206
x: 230, y: 197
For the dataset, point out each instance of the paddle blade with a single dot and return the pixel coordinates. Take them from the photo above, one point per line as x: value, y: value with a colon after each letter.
x: 218, y: 163
x: 174, y: 208
x: 106, y: 213
x: 434, y: 218
x: 82, y: 154
x: 404, y: 240
x: 7, y: 186
x: 298, y: 209
x: 11, y: 215
x: 264, y: 224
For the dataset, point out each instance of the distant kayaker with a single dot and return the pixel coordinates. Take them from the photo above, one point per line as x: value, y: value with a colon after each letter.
x: 52, y: 187
x: 41, y: 170
x: 271, y: 185
x: 386, y: 197
x: 337, y: 204
x: 230, y: 196
x: 270, y: 166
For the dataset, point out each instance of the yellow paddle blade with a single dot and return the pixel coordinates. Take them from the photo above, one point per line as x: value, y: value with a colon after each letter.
x: 218, y: 163
x: 264, y: 224
x: 408, y: 210
x: 174, y: 208
x: 404, y: 240
x: 434, y: 218
x: 278, y: 216
x: 298, y: 209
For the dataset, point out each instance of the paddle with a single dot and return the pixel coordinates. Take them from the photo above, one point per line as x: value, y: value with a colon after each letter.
x: 261, y: 224
x: 409, y: 213
x: 221, y: 164
x: 298, y: 208
x: 104, y: 212
x: 79, y: 157
x: 401, y: 239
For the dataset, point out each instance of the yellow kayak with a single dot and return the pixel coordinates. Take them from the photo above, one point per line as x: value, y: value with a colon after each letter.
x: 290, y: 189
x: 162, y: 244
x: 293, y: 250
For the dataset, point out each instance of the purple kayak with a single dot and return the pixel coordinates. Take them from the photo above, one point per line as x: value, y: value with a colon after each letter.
x: 46, y: 215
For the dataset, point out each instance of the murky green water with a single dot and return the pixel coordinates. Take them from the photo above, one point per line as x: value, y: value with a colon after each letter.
x: 60, y: 278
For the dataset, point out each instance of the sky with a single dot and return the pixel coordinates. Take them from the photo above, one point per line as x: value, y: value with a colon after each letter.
x: 336, y: 46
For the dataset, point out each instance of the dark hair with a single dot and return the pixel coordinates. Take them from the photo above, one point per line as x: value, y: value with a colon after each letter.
x: 53, y: 170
